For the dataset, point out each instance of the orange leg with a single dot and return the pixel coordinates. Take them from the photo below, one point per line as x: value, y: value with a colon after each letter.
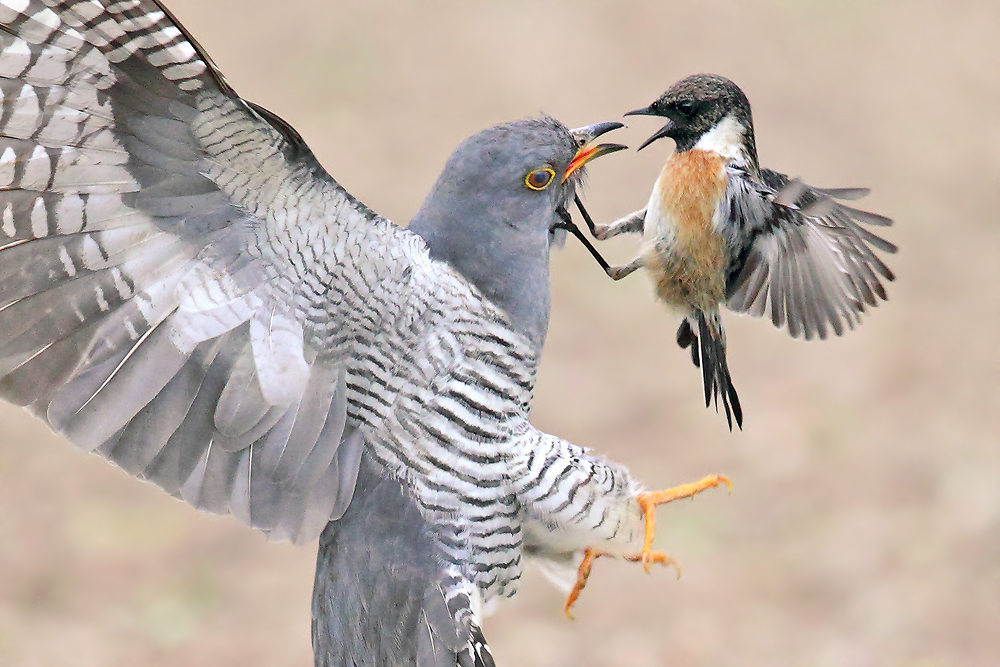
x: 650, y: 499
x: 582, y: 574
x: 590, y: 555
x: 647, y: 502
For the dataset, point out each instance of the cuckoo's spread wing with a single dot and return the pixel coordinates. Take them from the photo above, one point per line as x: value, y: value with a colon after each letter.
x: 421, y: 615
x: 182, y: 286
x: 808, y: 260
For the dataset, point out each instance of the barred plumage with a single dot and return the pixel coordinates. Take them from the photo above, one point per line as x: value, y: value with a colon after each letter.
x: 185, y: 291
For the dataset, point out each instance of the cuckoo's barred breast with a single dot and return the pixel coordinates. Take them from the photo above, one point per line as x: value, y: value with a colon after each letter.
x: 184, y: 290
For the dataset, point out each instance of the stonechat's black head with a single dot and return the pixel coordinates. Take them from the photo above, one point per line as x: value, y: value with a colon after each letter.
x: 705, y: 108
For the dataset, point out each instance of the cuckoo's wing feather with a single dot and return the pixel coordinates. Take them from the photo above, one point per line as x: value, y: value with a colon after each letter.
x: 802, y: 258
x: 421, y: 615
x: 181, y: 283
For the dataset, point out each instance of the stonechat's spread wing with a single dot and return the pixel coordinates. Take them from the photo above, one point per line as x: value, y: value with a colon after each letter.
x: 801, y: 256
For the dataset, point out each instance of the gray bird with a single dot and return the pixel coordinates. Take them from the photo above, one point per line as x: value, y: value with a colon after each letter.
x: 718, y: 230
x: 187, y: 293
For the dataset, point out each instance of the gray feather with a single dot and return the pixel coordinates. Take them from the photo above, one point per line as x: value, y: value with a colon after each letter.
x: 146, y: 435
x: 379, y: 598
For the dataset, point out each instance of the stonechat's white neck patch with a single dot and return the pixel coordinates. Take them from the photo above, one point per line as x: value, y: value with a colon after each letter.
x: 726, y: 139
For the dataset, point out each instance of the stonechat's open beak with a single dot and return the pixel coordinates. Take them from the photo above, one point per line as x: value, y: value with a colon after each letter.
x: 650, y: 111
x: 586, y: 153
x: 662, y: 132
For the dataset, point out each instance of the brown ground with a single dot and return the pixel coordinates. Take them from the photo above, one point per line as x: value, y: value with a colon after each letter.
x: 864, y: 528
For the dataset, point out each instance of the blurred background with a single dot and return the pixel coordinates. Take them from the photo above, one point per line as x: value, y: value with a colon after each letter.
x: 864, y: 524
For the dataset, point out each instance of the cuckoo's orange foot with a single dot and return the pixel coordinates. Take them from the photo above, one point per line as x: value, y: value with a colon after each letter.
x: 590, y: 555
x: 648, y: 501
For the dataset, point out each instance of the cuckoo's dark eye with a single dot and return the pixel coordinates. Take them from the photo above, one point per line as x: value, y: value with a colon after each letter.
x: 539, y: 179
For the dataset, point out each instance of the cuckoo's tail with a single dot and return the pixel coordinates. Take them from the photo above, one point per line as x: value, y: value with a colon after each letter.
x: 712, y: 361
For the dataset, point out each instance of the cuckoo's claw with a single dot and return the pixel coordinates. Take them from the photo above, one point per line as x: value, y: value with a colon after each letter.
x: 590, y: 555
x: 582, y: 574
x: 650, y: 499
x: 647, y: 502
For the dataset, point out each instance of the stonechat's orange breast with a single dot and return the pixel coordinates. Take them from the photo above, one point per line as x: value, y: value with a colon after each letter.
x: 687, y: 261
x: 691, y: 185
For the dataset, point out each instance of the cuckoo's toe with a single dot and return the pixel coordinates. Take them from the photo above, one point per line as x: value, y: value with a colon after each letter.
x: 591, y: 554
x: 648, y: 501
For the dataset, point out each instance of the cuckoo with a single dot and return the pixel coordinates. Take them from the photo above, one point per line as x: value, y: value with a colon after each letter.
x: 187, y: 293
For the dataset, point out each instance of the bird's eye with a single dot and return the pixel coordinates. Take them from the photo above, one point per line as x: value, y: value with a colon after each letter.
x: 686, y: 108
x: 539, y: 179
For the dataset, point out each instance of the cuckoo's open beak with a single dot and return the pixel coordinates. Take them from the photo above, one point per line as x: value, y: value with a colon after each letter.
x: 586, y: 153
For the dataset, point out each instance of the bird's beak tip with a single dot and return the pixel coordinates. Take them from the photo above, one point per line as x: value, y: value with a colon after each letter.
x: 586, y: 153
x: 607, y: 149
x: 645, y: 111
x: 584, y: 135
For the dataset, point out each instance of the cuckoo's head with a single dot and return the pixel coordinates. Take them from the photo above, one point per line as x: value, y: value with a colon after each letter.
x: 707, y: 112
x: 499, y: 205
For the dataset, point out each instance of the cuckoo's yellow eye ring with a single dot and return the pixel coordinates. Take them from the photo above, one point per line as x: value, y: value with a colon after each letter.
x: 539, y: 179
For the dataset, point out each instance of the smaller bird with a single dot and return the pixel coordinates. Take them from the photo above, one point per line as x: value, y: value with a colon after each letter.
x: 718, y: 229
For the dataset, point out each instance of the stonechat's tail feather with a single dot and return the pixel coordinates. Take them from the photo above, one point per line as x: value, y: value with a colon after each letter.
x: 714, y: 368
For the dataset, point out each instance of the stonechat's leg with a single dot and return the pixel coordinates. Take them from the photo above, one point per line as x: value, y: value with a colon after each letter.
x: 686, y: 337
x: 632, y: 223
x: 619, y: 272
